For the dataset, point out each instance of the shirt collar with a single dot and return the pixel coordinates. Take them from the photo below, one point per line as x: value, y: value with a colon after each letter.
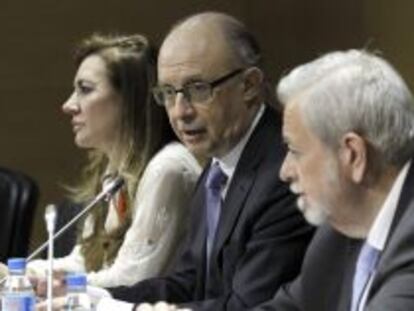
x: 229, y: 161
x: 379, y: 231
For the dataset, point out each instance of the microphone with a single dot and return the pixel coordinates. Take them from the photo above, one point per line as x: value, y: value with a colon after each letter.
x: 108, y: 191
x: 50, y: 218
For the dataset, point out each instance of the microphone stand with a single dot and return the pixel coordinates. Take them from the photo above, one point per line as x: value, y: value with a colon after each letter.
x: 50, y: 217
x: 105, y: 194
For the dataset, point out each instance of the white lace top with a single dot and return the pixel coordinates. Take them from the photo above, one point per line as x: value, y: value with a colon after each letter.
x: 158, y: 220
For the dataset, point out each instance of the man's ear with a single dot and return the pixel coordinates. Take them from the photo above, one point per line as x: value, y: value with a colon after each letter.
x: 253, y: 82
x: 353, y: 156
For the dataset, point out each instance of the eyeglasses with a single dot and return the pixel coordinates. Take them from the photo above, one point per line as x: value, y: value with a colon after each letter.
x: 198, y: 92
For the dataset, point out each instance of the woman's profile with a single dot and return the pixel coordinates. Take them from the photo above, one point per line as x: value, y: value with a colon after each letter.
x: 113, y: 116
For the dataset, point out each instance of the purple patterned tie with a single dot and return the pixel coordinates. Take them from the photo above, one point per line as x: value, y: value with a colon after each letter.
x: 216, y: 179
x: 367, y: 261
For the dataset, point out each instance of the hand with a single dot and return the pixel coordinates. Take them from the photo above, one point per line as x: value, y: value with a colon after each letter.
x: 159, y: 306
x: 59, y: 286
x: 57, y: 304
x: 4, y: 271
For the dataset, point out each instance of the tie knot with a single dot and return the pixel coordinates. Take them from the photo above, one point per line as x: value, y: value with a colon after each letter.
x: 216, y: 177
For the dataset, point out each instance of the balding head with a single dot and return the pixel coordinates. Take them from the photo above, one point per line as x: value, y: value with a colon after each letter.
x: 199, y: 56
x: 197, y: 38
x: 240, y: 45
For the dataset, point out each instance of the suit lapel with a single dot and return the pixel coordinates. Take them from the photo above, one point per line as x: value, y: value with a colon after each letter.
x: 232, y: 207
x: 242, y: 182
x: 406, y: 198
x: 405, y: 204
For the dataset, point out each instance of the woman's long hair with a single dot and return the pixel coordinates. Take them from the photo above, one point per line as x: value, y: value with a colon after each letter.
x: 131, y: 65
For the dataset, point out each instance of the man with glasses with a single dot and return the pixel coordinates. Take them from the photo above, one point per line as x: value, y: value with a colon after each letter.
x: 245, y: 235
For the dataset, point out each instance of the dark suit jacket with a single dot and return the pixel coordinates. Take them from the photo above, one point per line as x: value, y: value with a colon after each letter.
x: 325, y: 283
x: 260, y: 239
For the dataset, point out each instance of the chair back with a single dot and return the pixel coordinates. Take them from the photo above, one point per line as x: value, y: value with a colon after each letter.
x: 18, y: 198
x: 67, y: 210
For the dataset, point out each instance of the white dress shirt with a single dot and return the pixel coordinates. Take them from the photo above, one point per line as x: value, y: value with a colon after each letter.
x: 229, y: 161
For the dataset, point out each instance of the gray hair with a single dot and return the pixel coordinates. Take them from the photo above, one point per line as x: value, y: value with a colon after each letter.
x: 354, y: 91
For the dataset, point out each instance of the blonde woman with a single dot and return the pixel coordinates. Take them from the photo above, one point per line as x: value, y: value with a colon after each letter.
x: 113, y: 116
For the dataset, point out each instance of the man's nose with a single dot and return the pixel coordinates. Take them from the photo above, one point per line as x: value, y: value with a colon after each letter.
x: 286, y: 172
x: 183, y: 108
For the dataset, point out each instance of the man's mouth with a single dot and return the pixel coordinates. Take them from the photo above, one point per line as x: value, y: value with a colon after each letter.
x: 191, y: 135
x: 301, y: 203
x: 295, y: 189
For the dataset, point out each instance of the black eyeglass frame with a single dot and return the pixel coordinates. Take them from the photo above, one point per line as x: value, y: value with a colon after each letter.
x: 213, y: 84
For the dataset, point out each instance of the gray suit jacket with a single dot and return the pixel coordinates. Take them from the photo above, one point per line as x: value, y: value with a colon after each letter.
x: 325, y: 282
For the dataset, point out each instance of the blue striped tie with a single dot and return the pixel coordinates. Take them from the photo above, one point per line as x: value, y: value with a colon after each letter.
x: 216, y: 179
x: 367, y: 261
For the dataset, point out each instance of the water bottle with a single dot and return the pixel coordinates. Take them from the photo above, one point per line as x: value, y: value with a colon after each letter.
x: 18, y: 293
x: 77, y: 299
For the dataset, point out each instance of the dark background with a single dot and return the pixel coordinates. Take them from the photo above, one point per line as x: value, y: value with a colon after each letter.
x: 36, y: 69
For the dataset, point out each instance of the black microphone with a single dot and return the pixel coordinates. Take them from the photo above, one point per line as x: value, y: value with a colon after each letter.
x: 107, y: 192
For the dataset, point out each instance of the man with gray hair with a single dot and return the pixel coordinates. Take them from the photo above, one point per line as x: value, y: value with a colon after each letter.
x: 349, y: 127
